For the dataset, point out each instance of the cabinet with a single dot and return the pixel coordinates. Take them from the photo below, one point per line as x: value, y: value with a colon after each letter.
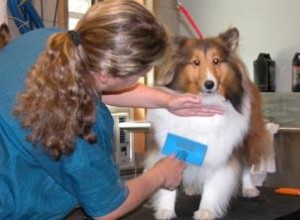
x: 284, y: 109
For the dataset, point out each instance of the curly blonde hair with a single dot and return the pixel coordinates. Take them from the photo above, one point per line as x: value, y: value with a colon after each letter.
x: 117, y: 37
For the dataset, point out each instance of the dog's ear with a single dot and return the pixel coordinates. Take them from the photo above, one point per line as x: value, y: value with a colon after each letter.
x: 4, y: 35
x: 172, y: 61
x: 231, y: 38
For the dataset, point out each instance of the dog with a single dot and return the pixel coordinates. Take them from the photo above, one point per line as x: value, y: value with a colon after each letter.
x: 236, y: 140
x: 5, y: 36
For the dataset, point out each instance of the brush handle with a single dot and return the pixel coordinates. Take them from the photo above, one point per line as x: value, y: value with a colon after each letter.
x: 288, y: 191
x: 181, y: 155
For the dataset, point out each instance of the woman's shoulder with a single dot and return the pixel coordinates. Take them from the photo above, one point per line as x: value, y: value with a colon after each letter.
x: 26, y: 45
x: 41, y: 32
x: 33, y: 37
x: 17, y: 58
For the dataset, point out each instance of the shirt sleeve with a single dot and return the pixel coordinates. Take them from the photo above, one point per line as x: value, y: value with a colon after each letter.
x: 90, y: 173
x: 93, y: 177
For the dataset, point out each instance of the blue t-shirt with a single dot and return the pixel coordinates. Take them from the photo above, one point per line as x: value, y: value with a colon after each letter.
x: 32, y: 184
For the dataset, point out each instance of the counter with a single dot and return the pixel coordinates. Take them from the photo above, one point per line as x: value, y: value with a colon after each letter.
x: 283, y: 109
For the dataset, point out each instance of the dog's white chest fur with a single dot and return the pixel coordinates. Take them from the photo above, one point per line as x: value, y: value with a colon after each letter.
x: 219, y: 173
x: 221, y: 133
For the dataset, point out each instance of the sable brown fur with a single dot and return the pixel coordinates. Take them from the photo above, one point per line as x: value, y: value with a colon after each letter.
x: 236, y: 141
x: 233, y: 80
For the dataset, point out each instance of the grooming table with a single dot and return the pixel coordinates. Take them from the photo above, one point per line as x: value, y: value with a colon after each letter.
x: 267, y: 206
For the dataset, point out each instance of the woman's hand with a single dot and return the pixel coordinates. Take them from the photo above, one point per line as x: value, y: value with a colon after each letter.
x: 143, y: 96
x: 166, y: 173
x: 189, y: 105
x: 170, y: 172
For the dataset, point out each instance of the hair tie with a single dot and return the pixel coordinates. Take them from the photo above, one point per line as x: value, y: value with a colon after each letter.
x: 75, y: 37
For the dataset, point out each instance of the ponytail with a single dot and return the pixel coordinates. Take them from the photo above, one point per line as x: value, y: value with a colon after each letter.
x: 57, y: 104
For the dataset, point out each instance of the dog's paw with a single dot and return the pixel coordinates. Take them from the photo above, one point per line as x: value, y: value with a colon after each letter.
x: 164, y: 214
x: 204, y: 214
x: 250, y: 192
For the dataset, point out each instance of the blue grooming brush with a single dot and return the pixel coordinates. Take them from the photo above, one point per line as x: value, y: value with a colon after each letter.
x: 185, y: 149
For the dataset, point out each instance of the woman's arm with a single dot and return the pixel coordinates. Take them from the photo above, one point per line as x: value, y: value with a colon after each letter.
x: 140, y: 96
x: 143, y: 96
x: 167, y: 173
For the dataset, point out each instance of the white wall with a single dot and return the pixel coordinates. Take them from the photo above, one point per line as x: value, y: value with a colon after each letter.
x: 270, y: 26
x: 166, y: 11
x: 3, y: 12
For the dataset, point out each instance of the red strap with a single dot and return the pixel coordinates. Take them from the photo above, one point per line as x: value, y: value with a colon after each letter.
x: 190, y: 19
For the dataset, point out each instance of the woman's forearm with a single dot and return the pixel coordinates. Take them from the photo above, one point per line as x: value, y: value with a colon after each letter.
x: 140, y: 96
x: 139, y: 188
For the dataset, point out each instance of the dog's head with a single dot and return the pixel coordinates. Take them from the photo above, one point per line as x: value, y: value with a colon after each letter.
x: 208, y: 66
x: 4, y: 35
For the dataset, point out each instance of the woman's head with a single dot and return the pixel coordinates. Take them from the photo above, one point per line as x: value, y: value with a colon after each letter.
x: 119, y: 38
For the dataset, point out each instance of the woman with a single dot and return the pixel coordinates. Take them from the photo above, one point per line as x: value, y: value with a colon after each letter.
x: 56, y: 132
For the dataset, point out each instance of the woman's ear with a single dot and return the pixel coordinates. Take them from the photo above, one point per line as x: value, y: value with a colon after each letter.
x: 101, y: 78
x: 104, y: 78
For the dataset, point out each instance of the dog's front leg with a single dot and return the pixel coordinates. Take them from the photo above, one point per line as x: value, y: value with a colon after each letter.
x: 164, y: 204
x: 217, y: 192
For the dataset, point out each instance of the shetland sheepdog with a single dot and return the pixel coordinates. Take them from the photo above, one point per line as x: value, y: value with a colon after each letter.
x: 4, y: 35
x: 235, y: 140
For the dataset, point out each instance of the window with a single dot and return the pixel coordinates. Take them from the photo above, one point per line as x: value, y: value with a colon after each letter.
x: 77, y: 9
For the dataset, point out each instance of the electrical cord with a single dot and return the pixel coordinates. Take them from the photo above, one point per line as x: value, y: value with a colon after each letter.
x: 185, y: 12
x: 55, y: 13
x: 24, y: 15
x: 42, y: 9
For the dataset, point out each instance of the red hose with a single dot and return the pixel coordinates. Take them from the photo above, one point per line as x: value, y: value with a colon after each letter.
x: 190, y: 19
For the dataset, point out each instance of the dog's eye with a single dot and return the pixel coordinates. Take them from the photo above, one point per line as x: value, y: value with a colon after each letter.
x: 216, y: 61
x: 196, y: 62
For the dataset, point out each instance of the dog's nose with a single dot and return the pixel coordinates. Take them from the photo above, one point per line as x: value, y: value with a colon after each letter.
x: 209, y: 84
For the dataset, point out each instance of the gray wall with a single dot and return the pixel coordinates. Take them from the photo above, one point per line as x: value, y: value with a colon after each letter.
x: 167, y: 12
x: 270, y: 26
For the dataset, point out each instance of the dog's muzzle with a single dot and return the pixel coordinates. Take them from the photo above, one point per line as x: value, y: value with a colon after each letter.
x: 209, y: 86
